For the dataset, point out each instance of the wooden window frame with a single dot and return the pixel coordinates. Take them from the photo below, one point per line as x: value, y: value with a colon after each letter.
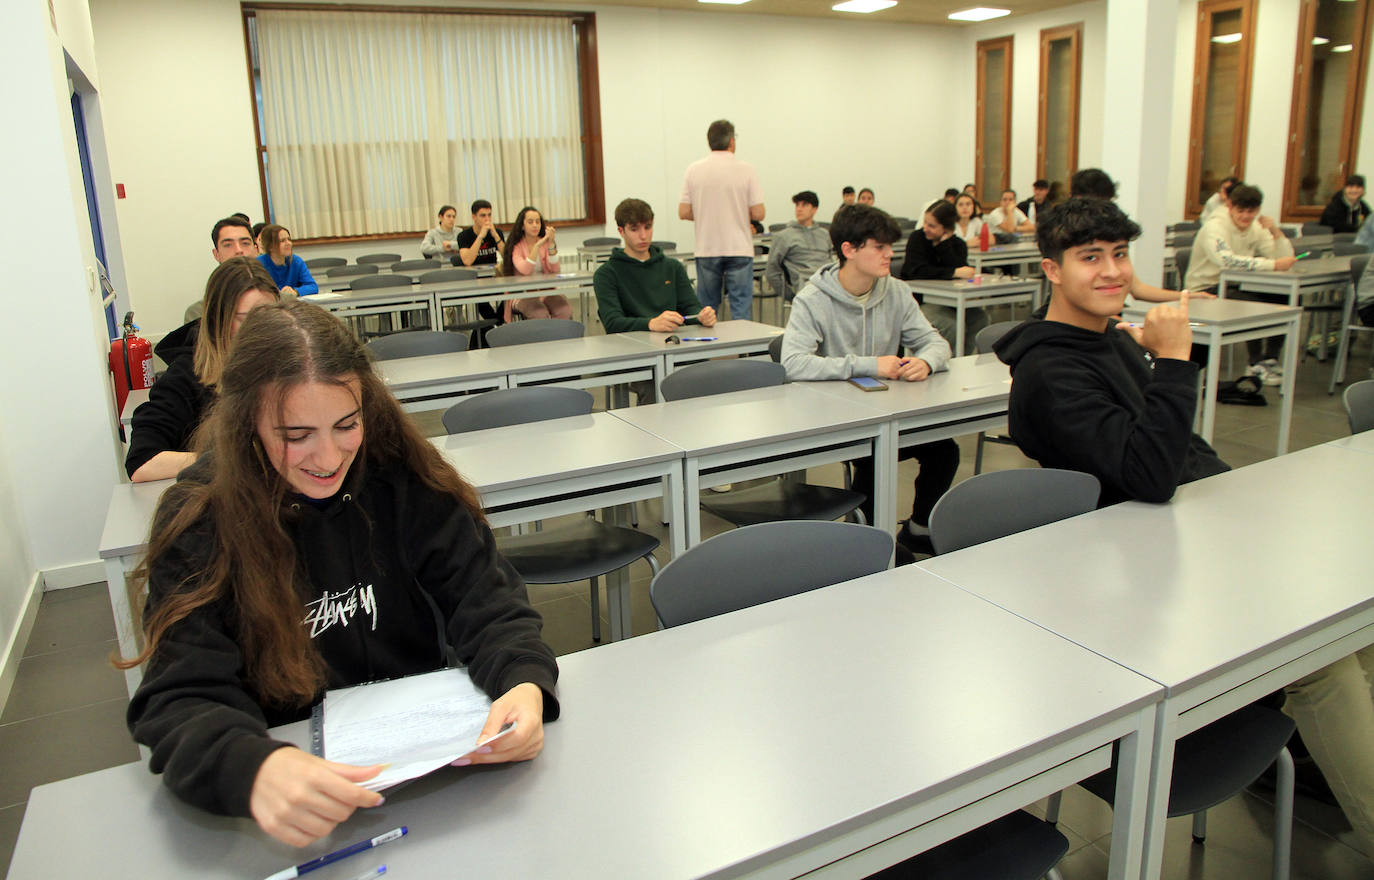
x: 589, y: 84
x: 1074, y: 33
x: 1206, y: 9
x: 985, y: 46
x: 1350, y: 122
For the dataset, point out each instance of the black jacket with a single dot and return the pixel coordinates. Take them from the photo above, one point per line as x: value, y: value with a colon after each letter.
x: 927, y: 259
x: 176, y: 402
x: 395, y: 579
x: 1095, y: 402
x: 1342, y: 217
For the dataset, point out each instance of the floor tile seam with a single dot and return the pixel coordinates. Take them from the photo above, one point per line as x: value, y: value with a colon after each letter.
x: 119, y: 699
x: 110, y: 641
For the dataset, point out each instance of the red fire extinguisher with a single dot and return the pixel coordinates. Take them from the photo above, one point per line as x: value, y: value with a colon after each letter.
x: 131, y: 361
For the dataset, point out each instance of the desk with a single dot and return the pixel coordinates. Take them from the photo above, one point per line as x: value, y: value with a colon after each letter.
x: 1225, y: 321
x: 137, y: 396
x: 122, y: 543
x: 378, y: 301
x: 981, y: 290
x: 744, y: 435
x: 1188, y: 595
x: 1306, y: 276
x: 640, y: 777
x: 434, y: 381
x: 1021, y: 253
x: 1362, y: 442
x: 460, y: 293
x: 325, y: 283
x: 735, y: 337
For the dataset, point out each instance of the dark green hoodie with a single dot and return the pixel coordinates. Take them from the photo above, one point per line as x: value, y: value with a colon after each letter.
x: 630, y: 292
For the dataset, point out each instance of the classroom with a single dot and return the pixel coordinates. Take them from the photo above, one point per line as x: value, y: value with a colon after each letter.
x: 820, y: 101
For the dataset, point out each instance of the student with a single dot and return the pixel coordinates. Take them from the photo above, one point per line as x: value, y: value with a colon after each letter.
x: 721, y: 195
x: 160, y: 440
x: 442, y: 239
x: 951, y: 195
x: 1240, y: 238
x: 934, y: 251
x: 257, y: 238
x: 1117, y: 402
x: 1218, y: 201
x: 799, y: 249
x: 1347, y: 210
x: 846, y: 196
x: 480, y: 244
x: 1006, y: 217
x: 968, y: 222
x: 866, y: 197
x: 232, y: 237
x: 1040, y: 192
x: 639, y: 288
x: 849, y: 320
x: 531, y: 247
x: 289, y: 271
x: 322, y: 542
x: 971, y: 190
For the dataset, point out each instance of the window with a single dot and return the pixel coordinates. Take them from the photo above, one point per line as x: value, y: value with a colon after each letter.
x: 1061, y: 74
x: 370, y: 118
x: 1328, y: 91
x: 992, y: 158
x: 1221, y: 98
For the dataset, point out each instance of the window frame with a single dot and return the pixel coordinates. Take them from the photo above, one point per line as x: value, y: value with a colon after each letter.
x: 1074, y: 33
x: 589, y: 86
x: 983, y: 47
x: 1206, y: 10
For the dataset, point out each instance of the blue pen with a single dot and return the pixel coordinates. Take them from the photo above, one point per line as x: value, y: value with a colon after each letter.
x: 331, y: 858
x: 368, y: 875
x: 700, y: 338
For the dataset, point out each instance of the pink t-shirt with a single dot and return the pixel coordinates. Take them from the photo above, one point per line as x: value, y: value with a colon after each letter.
x: 720, y: 189
x: 520, y: 257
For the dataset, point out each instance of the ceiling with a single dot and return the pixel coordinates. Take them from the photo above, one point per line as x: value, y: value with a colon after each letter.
x: 906, y: 11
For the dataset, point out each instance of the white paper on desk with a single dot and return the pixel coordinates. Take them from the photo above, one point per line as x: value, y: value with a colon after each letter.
x: 417, y: 724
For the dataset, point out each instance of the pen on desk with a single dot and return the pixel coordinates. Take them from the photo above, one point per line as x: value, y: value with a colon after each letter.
x: 699, y: 338
x: 368, y: 875
x: 331, y: 858
x: 1303, y: 254
x: 1137, y: 325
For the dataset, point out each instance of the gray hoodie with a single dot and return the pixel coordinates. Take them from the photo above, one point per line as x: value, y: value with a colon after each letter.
x: 795, y: 254
x: 829, y: 336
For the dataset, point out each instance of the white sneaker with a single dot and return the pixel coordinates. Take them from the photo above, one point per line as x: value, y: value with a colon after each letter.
x: 1273, y: 371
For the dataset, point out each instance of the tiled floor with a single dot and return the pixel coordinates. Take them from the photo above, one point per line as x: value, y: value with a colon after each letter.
x: 65, y: 715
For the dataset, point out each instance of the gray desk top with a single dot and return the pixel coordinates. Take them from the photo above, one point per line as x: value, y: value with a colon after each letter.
x: 706, y: 750
x: 1221, y: 312
x: 970, y: 286
x: 721, y: 422
x: 1363, y: 442
x: 1185, y: 591
x: 1311, y: 270
x: 726, y: 333
x: 506, y: 458
x: 473, y: 286
x: 587, y: 351
x: 129, y: 516
x: 969, y: 380
x: 402, y: 373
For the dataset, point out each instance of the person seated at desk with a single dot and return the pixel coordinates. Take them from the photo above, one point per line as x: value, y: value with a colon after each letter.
x: 934, y: 251
x: 442, y: 240
x: 846, y: 197
x: 289, y: 271
x: 321, y: 542
x: 968, y: 221
x: 1006, y: 217
x: 232, y: 237
x: 951, y: 195
x: 1219, y: 200
x: 480, y: 244
x: 866, y: 197
x: 531, y: 246
x: 1240, y: 238
x: 1348, y: 210
x: 163, y: 428
x: 1117, y: 401
x: 850, y: 320
x: 799, y: 249
x: 1039, y: 200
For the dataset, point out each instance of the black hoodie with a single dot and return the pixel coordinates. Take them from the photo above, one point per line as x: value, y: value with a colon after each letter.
x: 396, y: 579
x: 1095, y: 402
x: 176, y: 402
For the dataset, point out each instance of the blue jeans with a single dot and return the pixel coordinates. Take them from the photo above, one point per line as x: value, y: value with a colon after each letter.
x: 738, y: 276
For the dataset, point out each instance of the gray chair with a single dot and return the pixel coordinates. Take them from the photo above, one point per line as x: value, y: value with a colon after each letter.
x: 588, y: 550
x: 380, y: 259
x: 440, y: 275
x: 1001, y: 503
x: 777, y: 499
x: 1347, y: 249
x: 770, y: 561
x: 775, y: 350
x: 982, y: 344
x: 350, y: 271
x: 775, y: 227
x: 416, y: 343
x: 664, y: 246
x: 1182, y: 257
x: 459, y: 324
x: 1359, y: 266
x: 414, y: 266
x: 1186, y: 226
x: 599, y: 241
x: 1359, y: 406
x: 1343, y: 237
x: 1315, y: 229
x: 325, y: 263
x: 193, y: 311
x: 522, y: 332
x: 370, y: 282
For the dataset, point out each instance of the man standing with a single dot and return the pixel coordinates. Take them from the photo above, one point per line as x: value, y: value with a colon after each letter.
x: 480, y: 244
x: 799, y: 249
x: 721, y: 195
x: 1040, y: 190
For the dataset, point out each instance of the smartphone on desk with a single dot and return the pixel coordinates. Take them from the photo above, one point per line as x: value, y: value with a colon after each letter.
x: 868, y: 384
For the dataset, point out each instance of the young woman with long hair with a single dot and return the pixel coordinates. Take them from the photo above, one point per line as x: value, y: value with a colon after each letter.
x: 530, y: 248
x: 969, y: 221
x: 319, y: 542
x: 289, y: 271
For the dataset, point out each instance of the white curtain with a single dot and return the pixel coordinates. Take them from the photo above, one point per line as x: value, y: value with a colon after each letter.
x: 372, y: 120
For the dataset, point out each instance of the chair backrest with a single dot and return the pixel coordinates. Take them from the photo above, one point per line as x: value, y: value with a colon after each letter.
x: 414, y: 343
x: 774, y: 227
x: 414, y: 265
x: 440, y: 275
x: 193, y: 311
x: 719, y: 377
x: 988, y: 336
x: 347, y: 271
x: 382, y: 259
x: 1359, y: 405
x: 516, y: 406
x: 775, y: 348
x: 1000, y: 503
x: 325, y: 262
x: 1347, y: 249
x: 756, y: 564
x: 598, y: 241
x: 367, y: 282
x: 1339, y: 237
x: 1182, y: 256
x: 1186, y: 226
x: 521, y: 332
x: 1315, y: 229
x: 1358, y: 265
x: 664, y: 246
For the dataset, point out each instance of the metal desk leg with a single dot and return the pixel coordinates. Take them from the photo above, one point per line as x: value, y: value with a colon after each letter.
x: 1209, y: 403
x: 1290, y: 375
x: 674, y: 509
x: 885, y: 478
x: 1132, y: 797
x: 116, y: 571
x: 1160, y: 775
x: 691, y: 503
x: 959, y: 328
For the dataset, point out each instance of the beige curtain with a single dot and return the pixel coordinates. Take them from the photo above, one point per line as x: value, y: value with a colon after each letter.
x: 373, y: 119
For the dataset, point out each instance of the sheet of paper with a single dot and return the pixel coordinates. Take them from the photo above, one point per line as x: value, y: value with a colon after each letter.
x: 417, y: 724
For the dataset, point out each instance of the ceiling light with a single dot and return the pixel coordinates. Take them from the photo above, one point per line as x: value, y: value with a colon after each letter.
x: 1320, y: 41
x: 864, y: 5
x: 1226, y: 38
x: 978, y: 13
x: 1343, y: 47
